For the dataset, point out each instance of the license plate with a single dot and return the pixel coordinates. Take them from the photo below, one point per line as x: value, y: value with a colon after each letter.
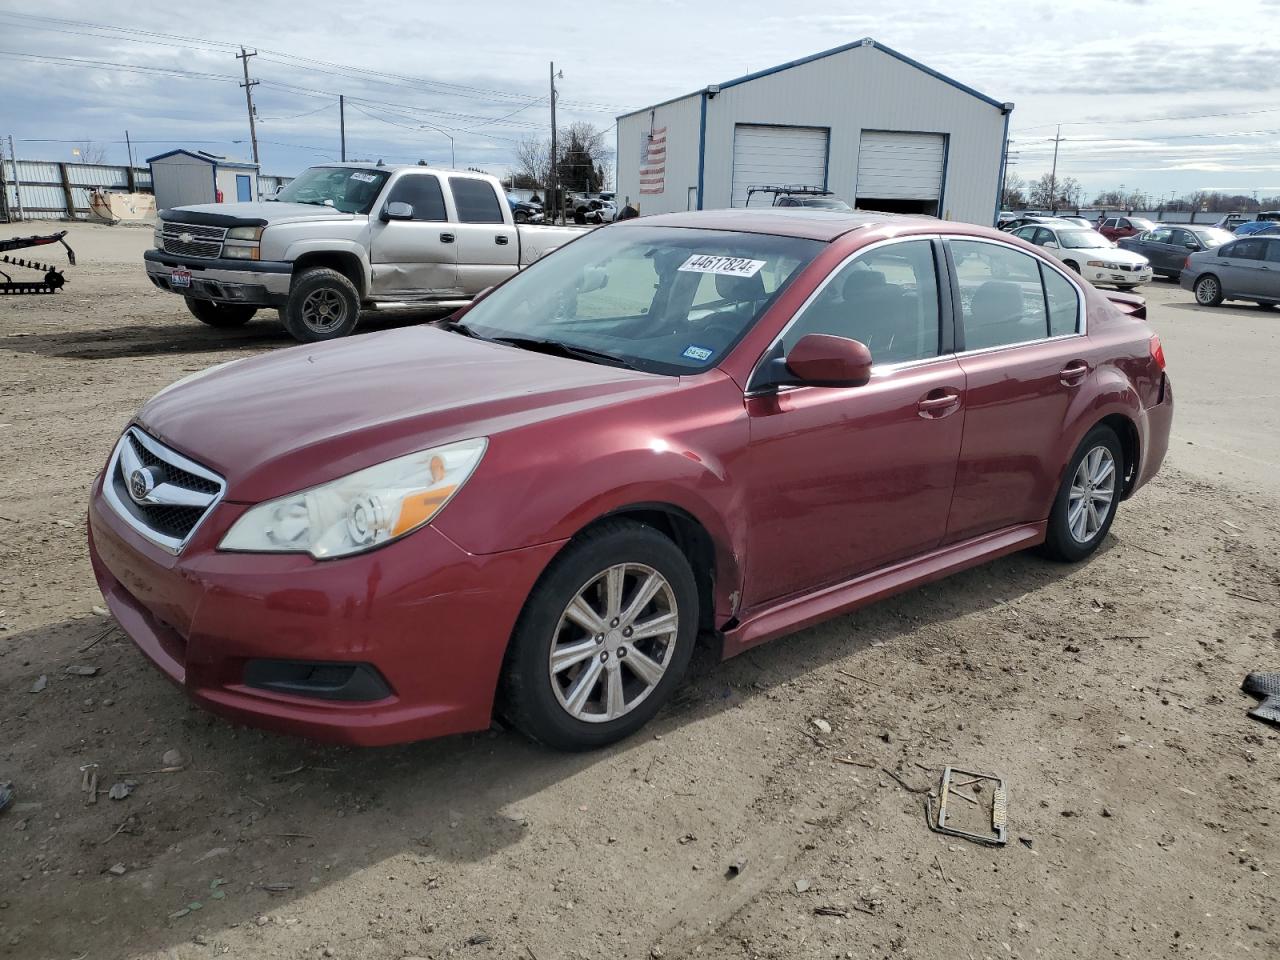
x: 180, y: 278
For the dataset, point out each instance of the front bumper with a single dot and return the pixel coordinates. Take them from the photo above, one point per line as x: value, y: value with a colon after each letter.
x: 1121, y: 277
x: 422, y: 613
x: 262, y: 283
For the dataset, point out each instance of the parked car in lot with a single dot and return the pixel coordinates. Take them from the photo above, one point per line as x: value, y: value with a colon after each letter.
x: 1167, y: 245
x: 735, y: 423
x: 1117, y: 228
x: 1247, y: 269
x: 1028, y: 219
x: 343, y: 237
x: 526, y: 211
x: 1081, y: 222
x: 1251, y: 227
x: 1231, y: 221
x: 1089, y: 254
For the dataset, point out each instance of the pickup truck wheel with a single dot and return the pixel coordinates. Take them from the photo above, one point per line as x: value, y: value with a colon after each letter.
x: 323, y: 304
x: 220, y: 314
x: 603, y: 640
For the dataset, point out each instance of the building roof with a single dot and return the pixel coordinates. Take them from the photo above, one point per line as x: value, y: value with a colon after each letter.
x: 864, y: 42
x: 212, y: 161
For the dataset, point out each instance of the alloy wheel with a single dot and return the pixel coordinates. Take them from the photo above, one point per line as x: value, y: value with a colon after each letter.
x: 1092, y: 490
x: 1207, y: 291
x: 324, y: 311
x: 614, y: 642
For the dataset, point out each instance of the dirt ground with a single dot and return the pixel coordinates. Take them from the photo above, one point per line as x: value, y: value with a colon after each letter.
x: 1144, y: 806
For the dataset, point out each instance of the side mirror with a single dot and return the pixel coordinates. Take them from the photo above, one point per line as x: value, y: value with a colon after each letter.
x: 821, y: 360
x: 396, y: 210
x: 1192, y: 245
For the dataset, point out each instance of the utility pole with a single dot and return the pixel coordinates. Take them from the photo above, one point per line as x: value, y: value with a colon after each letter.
x: 558, y: 208
x: 128, y: 144
x: 17, y: 180
x: 342, y: 124
x: 248, y: 98
x: 1053, y: 177
x: 129, y: 175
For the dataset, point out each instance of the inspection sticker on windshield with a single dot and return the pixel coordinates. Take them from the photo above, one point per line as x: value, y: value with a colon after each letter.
x: 697, y: 353
x: 725, y: 266
x: 365, y: 177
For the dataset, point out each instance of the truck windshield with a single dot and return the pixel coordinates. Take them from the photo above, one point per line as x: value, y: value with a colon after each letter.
x: 662, y: 299
x: 345, y: 189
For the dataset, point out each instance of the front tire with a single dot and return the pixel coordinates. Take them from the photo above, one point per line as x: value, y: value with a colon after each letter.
x: 1071, y: 265
x: 1087, y: 500
x: 220, y: 315
x: 323, y: 305
x: 1208, y: 291
x: 603, y: 640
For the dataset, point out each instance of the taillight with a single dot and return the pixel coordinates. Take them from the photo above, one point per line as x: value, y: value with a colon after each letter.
x: 1186, y: 264
x: 1157, y: 352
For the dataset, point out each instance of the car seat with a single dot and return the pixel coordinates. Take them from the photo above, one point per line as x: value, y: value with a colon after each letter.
x: 995, y: 316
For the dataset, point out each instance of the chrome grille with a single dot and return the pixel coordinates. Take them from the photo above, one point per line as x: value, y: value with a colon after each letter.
x: 192, y: 239
x: 157, y: 491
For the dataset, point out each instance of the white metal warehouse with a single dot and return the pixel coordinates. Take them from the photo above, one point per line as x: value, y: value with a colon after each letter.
x: 873, y: 126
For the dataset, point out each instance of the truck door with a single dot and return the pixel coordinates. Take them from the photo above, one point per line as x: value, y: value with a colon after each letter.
x: 414, y: 258
x: 488, y: 245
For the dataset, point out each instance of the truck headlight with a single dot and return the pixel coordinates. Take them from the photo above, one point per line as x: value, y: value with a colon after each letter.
x: 244, y: 233
x: 362, y: 510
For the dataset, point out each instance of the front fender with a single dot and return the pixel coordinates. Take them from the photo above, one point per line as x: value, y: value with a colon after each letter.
x: 298, y: 248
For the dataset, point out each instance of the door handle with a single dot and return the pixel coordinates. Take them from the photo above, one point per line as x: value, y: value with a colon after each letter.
x: 937, y: 404
x: 502, y: 239
x: 446, y: 238
x: 1073, y: 372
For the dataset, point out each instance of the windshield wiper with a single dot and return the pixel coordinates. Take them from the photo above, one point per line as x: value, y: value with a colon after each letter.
x: 556, y: 348
x: 453, y: 326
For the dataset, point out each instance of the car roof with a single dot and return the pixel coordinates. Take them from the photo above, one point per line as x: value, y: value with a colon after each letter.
x: 806, y: 222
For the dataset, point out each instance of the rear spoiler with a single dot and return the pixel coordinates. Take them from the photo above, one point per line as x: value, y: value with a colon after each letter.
x: 1127, y: 303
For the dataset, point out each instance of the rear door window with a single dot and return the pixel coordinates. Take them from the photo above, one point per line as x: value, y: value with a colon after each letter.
x: 1159, y: 235
x: 1002, y: 296
x: 476, y: 200
x: 1252, y: 249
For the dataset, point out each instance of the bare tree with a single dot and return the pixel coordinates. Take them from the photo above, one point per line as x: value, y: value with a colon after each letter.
x: 583, y: 156
x: 90, y: 152
x: 533, y: 161
x: 1014, y: 193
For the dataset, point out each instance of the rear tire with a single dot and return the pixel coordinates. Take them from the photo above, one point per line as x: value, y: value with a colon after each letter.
x: 323, y: 305
x: 1208, y: 290
x: 1087, y: 500
x: 608, y: 681
x: 221, y: 315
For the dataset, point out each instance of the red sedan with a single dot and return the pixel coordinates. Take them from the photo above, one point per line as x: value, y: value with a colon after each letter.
x: 730, y: 424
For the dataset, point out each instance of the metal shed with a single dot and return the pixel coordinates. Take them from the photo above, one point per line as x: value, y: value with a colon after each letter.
x: 182, y: 177
x: 878, y: 129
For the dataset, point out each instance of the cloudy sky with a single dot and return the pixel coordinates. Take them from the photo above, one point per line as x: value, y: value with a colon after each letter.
x: 1167, y: 96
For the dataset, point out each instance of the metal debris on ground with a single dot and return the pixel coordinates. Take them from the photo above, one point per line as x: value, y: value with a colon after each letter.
x: 121, y: 789
x: 984, y: 821
x: 89, y: 780
x: 79, y: 670
x: 821, y: 725
x: 42, y: 681
x: 736, y: 868
x: 6, y: 795
x: 1265, y: 686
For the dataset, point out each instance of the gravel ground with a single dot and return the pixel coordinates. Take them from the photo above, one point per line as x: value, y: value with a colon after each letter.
x: 1143, y: 804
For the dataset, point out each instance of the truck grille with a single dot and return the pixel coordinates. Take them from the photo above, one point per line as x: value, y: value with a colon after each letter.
x: 157, y: 491
x: 192, y: 239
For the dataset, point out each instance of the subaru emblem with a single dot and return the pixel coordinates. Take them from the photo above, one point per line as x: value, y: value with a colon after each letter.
x: 141, y: 482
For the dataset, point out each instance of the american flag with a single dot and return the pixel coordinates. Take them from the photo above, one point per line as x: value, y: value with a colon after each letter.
x: 653, y: 161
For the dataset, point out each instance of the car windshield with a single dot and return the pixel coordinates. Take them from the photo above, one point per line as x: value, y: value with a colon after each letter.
x: 662, y: 299
x: 351, y: 191
x: 1140, y: 224
x: 1213, y: 237
x: 1082, y: 239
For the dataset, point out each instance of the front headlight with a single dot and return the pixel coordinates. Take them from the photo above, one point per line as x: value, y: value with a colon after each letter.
x: 1104, y: 264
x: 244, y: 233
x: 360, y: 511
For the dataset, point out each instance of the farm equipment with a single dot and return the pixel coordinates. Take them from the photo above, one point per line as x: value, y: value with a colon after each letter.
x: 53, y: 278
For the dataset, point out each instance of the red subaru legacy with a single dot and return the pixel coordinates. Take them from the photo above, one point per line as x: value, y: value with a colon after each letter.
x: 729, y: 424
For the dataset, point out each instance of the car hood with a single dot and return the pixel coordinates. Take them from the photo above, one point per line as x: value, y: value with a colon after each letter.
x: 1111, y: 254
x: 278, y: 423
x: 271, y: 211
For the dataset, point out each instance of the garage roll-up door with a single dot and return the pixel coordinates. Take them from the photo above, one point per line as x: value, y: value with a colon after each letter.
x: 900, y: 166
x: 777, y: 156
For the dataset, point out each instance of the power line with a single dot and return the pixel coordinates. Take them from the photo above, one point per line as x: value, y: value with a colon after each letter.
x: 1102, y: 123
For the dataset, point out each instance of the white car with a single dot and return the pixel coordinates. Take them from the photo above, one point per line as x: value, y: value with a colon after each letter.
x: 1089, y: 254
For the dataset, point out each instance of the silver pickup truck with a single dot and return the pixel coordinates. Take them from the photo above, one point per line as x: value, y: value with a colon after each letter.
x: 344, y: 237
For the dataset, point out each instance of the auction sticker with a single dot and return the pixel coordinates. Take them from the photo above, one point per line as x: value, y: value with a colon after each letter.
x: 724, y: 266
x: 365, y: 177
